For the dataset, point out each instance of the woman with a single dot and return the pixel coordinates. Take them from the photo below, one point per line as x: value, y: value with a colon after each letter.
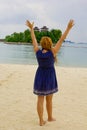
x: 45, y: 83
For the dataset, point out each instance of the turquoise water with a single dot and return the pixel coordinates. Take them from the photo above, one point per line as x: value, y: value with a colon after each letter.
x: 70, y: 54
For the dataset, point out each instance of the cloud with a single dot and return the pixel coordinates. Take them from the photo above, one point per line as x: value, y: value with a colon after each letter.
x: 52, y: 13
x: 14, y: 13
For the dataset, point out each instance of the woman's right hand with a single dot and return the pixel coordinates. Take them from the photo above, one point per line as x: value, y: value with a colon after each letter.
x: 29, y: 24
x: 70, y: 24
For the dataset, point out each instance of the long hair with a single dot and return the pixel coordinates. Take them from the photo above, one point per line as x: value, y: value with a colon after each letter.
x: 46, y: 43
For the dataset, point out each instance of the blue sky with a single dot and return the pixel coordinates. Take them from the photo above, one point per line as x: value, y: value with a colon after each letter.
x: 52, y: 13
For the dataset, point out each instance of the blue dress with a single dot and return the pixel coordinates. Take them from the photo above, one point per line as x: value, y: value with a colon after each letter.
x: 45, y: 82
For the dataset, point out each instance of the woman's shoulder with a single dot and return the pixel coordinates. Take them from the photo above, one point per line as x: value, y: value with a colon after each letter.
x: 38, y: 51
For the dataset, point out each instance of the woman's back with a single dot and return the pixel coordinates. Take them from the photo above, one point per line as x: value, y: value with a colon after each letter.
x: 45, y: 59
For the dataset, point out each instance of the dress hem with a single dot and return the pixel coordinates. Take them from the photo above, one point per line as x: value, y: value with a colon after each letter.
x: 44, y: 93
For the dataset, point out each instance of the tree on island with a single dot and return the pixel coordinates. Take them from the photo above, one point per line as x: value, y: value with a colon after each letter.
x: 25, y: 37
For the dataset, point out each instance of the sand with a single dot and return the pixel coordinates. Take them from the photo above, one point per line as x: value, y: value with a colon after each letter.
x: 18, y: 103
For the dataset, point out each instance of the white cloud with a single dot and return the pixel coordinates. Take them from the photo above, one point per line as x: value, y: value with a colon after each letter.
x: 52, y: 13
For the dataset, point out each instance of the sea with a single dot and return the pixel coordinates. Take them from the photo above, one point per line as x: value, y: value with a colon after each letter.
x: 70, y: 55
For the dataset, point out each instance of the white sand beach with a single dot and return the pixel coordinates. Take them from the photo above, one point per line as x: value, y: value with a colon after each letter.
x: 18, y: 103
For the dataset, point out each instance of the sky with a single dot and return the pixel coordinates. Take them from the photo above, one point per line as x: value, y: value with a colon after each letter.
x: 55, y: 14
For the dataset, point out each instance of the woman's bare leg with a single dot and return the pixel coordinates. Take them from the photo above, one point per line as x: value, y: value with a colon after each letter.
x: 40, y: 109
x: 49, y: 107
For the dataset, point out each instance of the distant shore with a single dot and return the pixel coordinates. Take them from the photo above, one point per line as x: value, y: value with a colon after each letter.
x: 2, y: 40
x: 15, y: 43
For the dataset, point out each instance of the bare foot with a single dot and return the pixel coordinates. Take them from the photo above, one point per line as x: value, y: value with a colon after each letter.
x: 42, y: 123
x: 51, y: 119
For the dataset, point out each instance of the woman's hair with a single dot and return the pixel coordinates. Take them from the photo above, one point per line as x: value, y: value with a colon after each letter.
x: 46, y: 43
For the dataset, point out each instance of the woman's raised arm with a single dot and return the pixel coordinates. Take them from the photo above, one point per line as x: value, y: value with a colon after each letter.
x: 60, y: 41
x: 34, y: 40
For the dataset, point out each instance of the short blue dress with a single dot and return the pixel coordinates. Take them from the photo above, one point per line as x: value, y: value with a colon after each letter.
x: 45, y: 81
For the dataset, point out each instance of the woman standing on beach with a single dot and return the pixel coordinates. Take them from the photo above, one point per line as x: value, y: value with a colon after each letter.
x: 45, y: 83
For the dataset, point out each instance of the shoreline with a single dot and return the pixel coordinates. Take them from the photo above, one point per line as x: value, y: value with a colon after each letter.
x: 16, y: 43
x: 36, y: 64
x: 18, y: 103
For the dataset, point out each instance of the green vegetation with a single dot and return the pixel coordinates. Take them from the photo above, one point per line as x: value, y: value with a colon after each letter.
x: 25, y: 37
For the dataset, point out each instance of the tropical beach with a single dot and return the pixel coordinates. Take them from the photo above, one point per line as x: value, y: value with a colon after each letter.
x: 18, y: 103
x: 18, y: 64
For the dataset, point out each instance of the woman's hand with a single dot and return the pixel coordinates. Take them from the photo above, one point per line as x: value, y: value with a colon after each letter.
x: 60, y: 41
x: 70, y: 24
x: 29, y: 24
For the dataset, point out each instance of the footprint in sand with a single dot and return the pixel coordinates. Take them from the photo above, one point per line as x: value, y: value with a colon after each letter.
x: 6, y: 80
